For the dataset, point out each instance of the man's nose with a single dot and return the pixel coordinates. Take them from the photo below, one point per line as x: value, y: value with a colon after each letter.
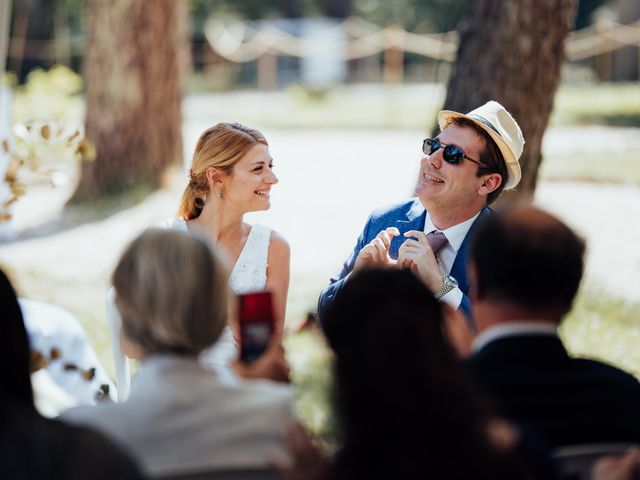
x: 435, y: 159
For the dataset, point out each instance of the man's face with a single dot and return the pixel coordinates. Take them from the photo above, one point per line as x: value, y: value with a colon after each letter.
x: 455, y: 187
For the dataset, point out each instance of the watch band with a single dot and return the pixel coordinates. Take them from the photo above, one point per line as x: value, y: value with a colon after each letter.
x: 448, y: 284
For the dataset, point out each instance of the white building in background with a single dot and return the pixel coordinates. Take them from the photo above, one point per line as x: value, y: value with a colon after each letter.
x: 323, y: 64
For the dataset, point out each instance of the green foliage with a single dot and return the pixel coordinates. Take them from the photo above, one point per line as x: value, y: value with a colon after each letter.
x: 413, y: 15
x: 602, y: 104
x: 424, y: 15
x: 603, y: 327
x: 50, y: 95
x: 310, y: 360
x: 586, y: 9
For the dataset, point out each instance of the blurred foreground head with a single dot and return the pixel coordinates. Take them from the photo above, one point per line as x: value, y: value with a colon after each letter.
x: 15, y: 353
x: 171, y: 291
x: 526, y: 257
x: 397, y: 379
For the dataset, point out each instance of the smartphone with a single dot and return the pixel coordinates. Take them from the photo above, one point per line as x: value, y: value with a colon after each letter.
x: 256, y: 321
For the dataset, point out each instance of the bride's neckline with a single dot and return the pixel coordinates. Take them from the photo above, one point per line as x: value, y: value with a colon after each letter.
x: 242, y: 251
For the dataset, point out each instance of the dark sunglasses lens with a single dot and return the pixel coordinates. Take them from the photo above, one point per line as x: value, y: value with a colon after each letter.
x: 430, y: 145
x: 453, y: 154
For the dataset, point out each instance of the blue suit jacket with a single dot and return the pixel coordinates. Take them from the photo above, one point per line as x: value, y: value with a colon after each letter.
x: 405, y: 216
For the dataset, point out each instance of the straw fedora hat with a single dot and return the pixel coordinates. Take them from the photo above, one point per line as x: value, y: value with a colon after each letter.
x: 494, y: 119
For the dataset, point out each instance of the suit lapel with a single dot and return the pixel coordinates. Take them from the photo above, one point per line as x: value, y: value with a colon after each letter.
x: 414, y: 221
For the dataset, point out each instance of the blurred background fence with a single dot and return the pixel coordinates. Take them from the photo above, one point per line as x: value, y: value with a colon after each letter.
x: 229, y: 52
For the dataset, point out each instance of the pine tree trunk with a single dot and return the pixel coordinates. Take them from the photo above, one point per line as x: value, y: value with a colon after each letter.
x: 134, y: 63
x: 512, y: 51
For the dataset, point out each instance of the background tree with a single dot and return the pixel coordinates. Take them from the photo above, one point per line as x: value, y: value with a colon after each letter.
x: 512, y: 51
x: 134, y: 64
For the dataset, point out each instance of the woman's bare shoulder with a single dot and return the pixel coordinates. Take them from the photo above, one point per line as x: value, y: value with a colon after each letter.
x: 278, y: 241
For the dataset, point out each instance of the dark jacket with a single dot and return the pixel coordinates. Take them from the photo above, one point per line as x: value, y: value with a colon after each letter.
x: 568, y: 400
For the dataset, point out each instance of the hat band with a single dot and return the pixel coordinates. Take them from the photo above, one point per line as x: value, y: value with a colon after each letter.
x: 485, y: 122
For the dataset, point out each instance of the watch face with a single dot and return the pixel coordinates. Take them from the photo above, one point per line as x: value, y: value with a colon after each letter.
x: 450, y: 281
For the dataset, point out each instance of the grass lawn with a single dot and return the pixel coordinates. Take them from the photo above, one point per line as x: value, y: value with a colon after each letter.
x: 413, y: 106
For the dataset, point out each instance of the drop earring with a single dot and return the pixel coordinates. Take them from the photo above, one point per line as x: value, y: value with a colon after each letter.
x: 219, y: 193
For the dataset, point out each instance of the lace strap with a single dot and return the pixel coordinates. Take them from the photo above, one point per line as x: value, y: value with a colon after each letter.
x: 250, y: 271
x: 256, y: 249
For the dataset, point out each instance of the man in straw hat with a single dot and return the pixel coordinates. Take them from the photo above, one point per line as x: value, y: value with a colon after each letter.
x: 463, y: 170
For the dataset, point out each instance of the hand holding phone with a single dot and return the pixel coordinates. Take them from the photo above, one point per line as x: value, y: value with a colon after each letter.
x: 256, y: 322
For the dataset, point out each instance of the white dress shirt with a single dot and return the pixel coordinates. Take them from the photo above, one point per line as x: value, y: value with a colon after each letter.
x: 447, y: 254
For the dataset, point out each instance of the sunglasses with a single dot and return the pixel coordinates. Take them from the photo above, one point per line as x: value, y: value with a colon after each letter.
x: 452, y: 154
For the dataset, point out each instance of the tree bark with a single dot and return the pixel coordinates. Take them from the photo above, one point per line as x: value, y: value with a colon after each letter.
x: 135, y: 58
x: 512, y: 51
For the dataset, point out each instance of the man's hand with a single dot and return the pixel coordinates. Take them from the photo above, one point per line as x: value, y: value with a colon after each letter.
x: 618, y: 467
x: 416, y: 254
x: 376, y: 252
x: 309, y: 460
x: 271, y: 365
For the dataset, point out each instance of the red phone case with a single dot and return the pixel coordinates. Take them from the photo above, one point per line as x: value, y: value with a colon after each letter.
x: 255, y: 317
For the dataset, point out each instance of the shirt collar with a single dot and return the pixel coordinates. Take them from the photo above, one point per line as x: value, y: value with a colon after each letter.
x: 512, y: 329
x: 455, y: 234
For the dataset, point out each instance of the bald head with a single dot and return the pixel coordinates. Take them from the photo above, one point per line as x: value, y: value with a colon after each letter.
x: 527, y: 257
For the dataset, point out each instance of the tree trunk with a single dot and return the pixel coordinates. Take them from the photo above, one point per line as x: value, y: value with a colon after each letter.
x: 512, y: 51
x: 135, y: 58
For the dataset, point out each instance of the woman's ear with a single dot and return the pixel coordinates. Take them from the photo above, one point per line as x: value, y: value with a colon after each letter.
x: 214, y: 174
x: 491, y: 181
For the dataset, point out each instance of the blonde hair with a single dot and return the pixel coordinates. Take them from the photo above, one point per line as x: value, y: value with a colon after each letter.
x: 221, y: 146
x: 172, y: 292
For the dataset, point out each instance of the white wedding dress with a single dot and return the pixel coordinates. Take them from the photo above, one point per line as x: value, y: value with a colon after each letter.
x: 249, y: 274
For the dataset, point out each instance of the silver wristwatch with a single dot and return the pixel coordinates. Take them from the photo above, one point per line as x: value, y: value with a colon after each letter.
x: 448, y: 284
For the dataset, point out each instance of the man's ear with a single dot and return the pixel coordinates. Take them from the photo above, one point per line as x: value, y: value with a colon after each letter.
x: 491, y: 182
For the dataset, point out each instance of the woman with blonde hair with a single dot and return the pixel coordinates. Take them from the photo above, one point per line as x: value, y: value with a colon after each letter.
x: 172, y: 294
x: 231, y: 174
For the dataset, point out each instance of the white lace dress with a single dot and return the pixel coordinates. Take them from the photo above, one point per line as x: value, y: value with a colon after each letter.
x: 249, y: 274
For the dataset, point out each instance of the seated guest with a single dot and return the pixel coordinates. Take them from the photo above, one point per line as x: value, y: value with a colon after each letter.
x: 526, y: 266
x: 180, y: 418
x: 32, y: 446
x: 404, y: 402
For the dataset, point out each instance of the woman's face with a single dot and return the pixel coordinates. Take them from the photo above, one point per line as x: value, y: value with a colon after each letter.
x: 248, y: 187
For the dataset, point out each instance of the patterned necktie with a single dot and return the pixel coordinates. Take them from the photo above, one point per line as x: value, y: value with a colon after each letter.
x: 436, y: 240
